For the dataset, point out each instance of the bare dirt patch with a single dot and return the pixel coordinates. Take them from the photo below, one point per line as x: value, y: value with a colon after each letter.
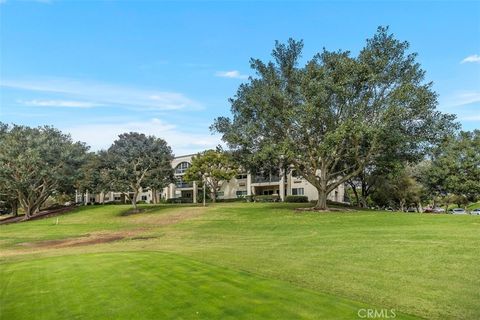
x: 106, y: 237
x: 90, y: 239
x: 168, y: 219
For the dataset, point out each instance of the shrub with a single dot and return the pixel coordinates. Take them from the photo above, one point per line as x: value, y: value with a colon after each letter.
x: 266, y: 198
x: 232, y: 200
x: 296, y: 199
x: 179, y: 200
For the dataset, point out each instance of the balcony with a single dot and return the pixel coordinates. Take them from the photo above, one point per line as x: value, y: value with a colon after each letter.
x: 184, y: 185
x: 265, y: 179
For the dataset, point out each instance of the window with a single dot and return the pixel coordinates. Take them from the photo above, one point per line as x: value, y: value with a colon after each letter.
x: 144, y: 198
x: 298, y: 191
x: 241, y: 193
x: 220, y: 193
x: 117, y: 198
x: 241, y: 176
x: 182, y: 167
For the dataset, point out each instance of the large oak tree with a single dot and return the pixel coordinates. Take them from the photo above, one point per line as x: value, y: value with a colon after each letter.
x: 134, y: 159
x: 337, y: 114
x: 36, y: 162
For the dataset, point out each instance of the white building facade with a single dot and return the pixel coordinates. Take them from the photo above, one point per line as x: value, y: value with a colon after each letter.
x: 247, y: 184
x: 242, y: 185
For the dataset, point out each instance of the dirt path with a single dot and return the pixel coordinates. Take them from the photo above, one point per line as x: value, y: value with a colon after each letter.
x: 105, y: 237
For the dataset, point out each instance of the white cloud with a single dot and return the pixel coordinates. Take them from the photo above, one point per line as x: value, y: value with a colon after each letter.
x: 471, y: 118
x: 106, y: 94
x: 461, y: 98
x: 60, y: 103
x: 467, y: 97
x: 101, y: 135
x: 472, y: 58
x: 234, y: 74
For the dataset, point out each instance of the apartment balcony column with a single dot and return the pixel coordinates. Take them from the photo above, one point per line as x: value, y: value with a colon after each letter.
x: 289, y: 183
x: 195, y: 189
x: 281, y: 189
x: 249, y: 184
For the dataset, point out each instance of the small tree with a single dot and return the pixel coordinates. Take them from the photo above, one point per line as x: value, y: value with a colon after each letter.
x: 94, y: 174
x: 36, y: 162
x: 134, y: 159
x: 211, y: 168
x: 157, y: 181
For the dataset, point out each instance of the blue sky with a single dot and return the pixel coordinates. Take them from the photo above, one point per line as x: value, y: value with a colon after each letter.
x: 96, y: 69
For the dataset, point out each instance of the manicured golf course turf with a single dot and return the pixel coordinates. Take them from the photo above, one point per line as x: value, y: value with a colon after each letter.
x: 239, y: 261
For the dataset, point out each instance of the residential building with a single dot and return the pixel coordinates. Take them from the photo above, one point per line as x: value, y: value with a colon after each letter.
x: 243, y: 184
x: 246, y: 184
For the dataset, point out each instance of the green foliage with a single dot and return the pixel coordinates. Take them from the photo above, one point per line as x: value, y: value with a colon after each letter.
x: 211, y: 167
x: 296, y: 199
x: 136, y: 160
x: 179, y: 200
x: 94, y: 175
x: 36, y: 162
x: 399, y: 189
x: 266, y: 198
x: 455, y: 166
x: 337, y: 114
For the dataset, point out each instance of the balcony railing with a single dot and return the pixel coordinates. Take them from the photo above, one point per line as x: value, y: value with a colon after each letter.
x: 184, y: 184
x: 262, y: 179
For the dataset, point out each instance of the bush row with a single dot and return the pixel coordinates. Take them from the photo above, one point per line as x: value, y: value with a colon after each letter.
x: 296, y: 199
x: 263, y: 198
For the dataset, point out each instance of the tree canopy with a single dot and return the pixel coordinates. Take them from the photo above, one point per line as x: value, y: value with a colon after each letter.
x: 337, y: 114
x: 134, y: 159
x: 36, y: 162
x: 455, y: 166
x: 211, y: 167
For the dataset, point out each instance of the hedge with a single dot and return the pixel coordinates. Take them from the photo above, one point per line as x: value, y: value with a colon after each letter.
x: 179, y: 200
x: 296, y: 199
x: 263, y: 198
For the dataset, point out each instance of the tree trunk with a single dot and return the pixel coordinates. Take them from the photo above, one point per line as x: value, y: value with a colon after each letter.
x: 322, y: 200
x: 154, y: 195
x: 29, y: 210
x: 402, y: 205
x: 363, y: 202
x: 15, y: 207
x: 134, y: 201
x: 214, y: 197
x: 355, y: 193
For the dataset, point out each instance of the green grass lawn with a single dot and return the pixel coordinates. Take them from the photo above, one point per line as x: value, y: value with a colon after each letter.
x: 241, y: 260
